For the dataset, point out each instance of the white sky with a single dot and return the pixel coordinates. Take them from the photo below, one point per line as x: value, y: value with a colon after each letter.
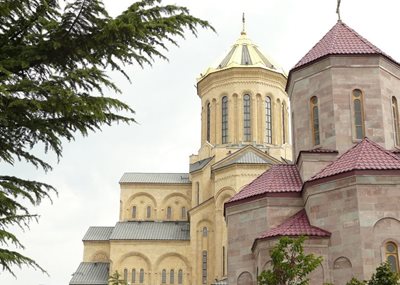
x: 168, y: 111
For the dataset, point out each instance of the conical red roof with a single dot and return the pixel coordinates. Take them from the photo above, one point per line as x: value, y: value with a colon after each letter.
x: 366, y: 155
x: 340, y: 40
x: 297, y: 225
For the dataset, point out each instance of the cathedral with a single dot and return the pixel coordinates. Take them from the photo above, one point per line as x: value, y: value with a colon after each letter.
x: 338, y: 183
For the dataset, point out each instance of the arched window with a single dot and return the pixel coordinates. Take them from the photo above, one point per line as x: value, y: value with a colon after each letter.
x: 205, y: 232
x: 141, y: 276
x: 358, y: 106
x: 133, y: 276
x: 164, y: 276
x: 183, y: 213
x: 208, y: 122
x: 204, y: 267
x: 134, y: 212
x: 395, y: 111
x: 180, y: 276
x: 169, y: 213
x: 246, y: 118
x: 392, y: 256
x: 171, y: 277
x: 126, y: 275
x: 198, y: 193
x: 224, y: 119
x: 268, y: 121
x: 314, y: 120
x: 283, y: 123
x: 148, y: 212
x: 223, y: 261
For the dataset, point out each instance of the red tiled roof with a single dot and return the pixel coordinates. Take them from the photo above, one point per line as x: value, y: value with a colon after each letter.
x: 279, y: 178
x: 366, y: 155
x: 341, y: 39
x: 297, y: 225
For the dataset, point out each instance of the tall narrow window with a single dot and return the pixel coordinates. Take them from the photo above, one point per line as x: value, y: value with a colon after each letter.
x: 268, y: 121
x: 183, y: 213
x: 392, y: 256
x: 204, y: 267
x: 133, y: 276
x: 198, y: 193
x: 395, y: 111
x: 205, y: 232
x: 169, y: 213
x: 148, y: 212
x: 126, y: 275
x: 141, y: 276
x: 171, y: 277
x: 134, y: 212
x: 283, y: 123
x: 164, y: 276
x: 224, y: 119
x: 208, y: 122
x: 314, y: 120
x: 246, y: 118
x: 223, y: 261
x: 358, y: 114
x: 180, y: 276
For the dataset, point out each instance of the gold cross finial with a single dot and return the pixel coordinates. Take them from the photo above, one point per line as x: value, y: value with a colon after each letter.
x: 244, y: 25
x: 338, y: 9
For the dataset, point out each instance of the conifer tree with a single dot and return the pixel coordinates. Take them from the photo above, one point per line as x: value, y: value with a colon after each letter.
x: 53, y: 62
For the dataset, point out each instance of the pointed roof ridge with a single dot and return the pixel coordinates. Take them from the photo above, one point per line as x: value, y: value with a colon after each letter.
x: 296, y: 225
x: 237, y: 156
x: 340, y: 40
x: 366, y: 155
x: 280, y: 178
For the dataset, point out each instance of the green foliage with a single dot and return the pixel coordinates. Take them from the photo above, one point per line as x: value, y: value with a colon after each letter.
x: 290, y: 265
x: 384, y: 276
x: 53, y: 62
x: 116, y: 279
x: 355, y: 281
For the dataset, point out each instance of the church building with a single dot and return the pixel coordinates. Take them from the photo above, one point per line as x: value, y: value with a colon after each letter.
x: 339, y: 183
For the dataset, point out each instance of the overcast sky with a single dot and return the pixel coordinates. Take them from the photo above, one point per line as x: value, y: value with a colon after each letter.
x: 168, y: 114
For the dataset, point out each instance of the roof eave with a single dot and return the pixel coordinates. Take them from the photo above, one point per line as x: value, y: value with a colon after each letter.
x: 296, y: 68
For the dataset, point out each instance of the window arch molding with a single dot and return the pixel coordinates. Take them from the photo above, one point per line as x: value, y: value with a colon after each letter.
x: 268, y: 101
x: 224, y: 119
x: 358, y: 116
x: 208, y: 120
x: 314, y: 120
x: 247, y: 110
x: 391, y: 254
x: 395, y: 119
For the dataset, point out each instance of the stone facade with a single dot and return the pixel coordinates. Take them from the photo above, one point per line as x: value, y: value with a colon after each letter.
x: 218, y: 223
x: 350, y: 184
x: 220, y: 169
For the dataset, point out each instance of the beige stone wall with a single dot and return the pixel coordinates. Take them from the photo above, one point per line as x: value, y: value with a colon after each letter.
x: 246, y: 222
x: 235, y: 83
x: 202, y: 231
x: 332, y: 80
x: 96, y: 251
x: 157, y: 196
x: 153, y: 257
